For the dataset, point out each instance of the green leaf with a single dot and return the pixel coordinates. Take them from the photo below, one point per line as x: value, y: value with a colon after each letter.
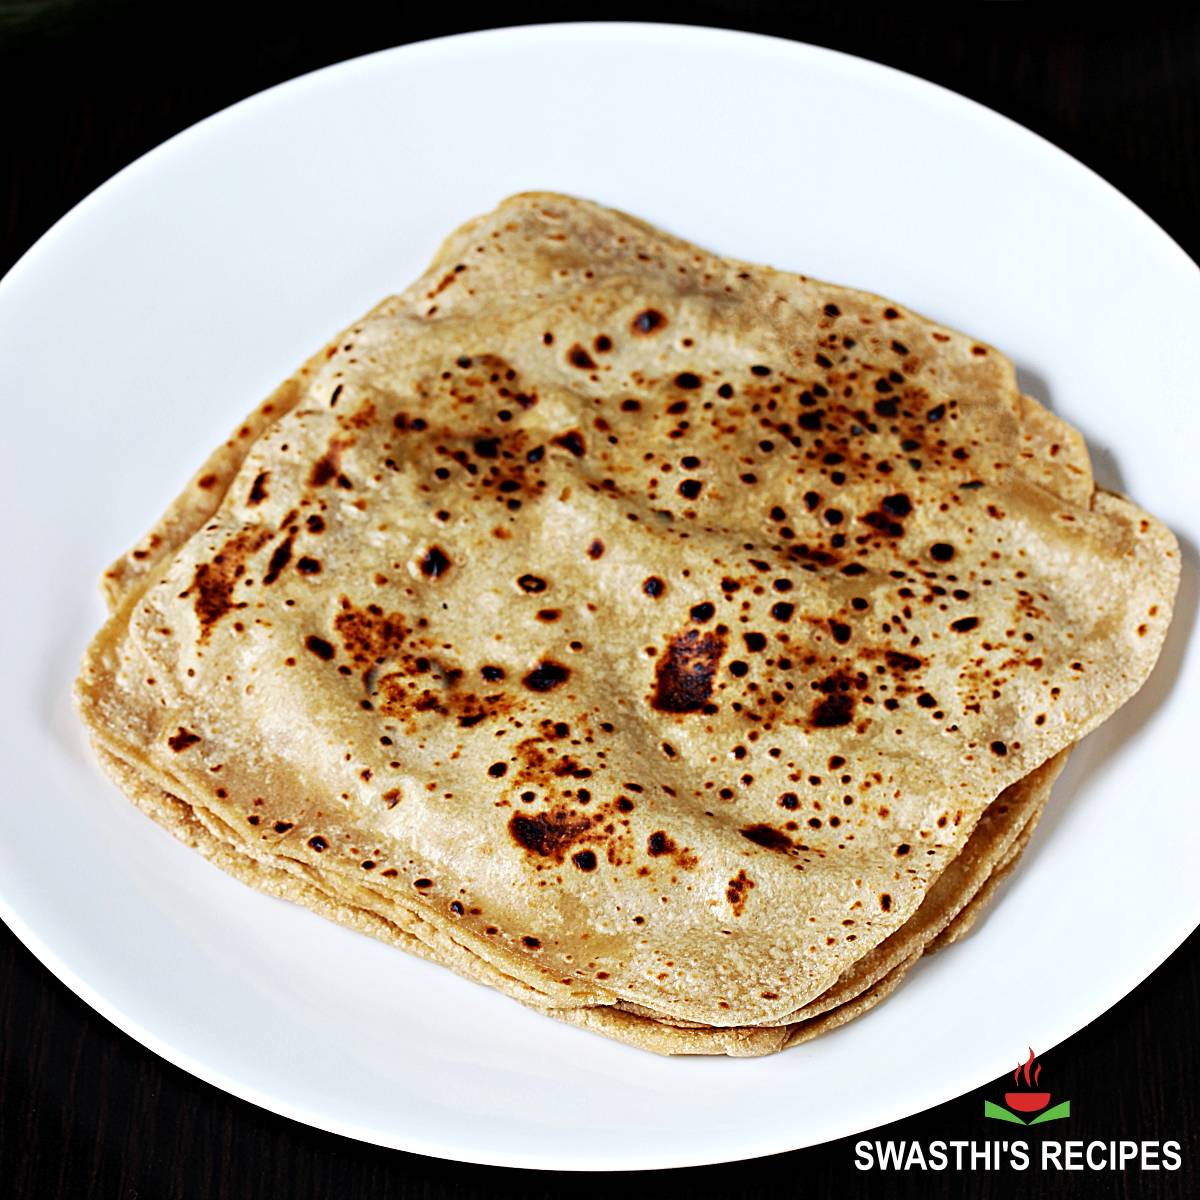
x: 1053, y: 1114
x: 1002, y: 1114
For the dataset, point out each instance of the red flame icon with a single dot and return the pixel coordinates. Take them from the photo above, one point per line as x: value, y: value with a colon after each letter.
x: 1027, y: 1101
x: 1028, y: 1063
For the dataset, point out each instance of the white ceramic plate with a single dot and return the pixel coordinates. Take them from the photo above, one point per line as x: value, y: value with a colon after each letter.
x: 137, y: 332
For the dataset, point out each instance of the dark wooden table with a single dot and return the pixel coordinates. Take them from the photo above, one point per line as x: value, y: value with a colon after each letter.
x: 88, y: 85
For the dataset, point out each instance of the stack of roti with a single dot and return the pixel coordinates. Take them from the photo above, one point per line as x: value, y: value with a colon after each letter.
x: 680, y: 646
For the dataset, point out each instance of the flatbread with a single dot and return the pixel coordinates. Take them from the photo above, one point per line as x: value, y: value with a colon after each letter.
x: 633, y: 625
x: 1011, y: 817
x: 1001, y: 835
x: 656, y: 1036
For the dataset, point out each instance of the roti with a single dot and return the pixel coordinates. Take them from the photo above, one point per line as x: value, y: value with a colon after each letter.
x: 638, y: 631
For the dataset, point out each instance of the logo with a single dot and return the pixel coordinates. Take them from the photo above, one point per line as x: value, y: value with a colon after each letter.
x: 1024, y: 1104
x: 1027, y: 1099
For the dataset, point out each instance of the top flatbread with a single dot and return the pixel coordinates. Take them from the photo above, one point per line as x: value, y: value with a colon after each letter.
x: 654, y: 625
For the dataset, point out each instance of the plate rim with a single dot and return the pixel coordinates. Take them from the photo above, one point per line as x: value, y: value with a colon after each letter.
x: 545, y: 29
